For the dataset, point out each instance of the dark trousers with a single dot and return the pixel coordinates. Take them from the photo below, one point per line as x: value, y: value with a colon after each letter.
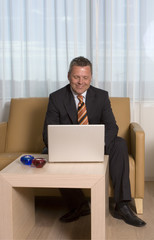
x: 119, y: 173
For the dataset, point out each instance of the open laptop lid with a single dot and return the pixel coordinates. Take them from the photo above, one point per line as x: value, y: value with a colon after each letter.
x: 76, y: 143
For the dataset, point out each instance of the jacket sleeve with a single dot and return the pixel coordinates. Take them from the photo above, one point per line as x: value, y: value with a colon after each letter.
x: 52, y: 117
x: 108, y: 119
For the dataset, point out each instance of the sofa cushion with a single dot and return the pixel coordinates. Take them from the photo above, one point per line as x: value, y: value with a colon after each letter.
x: 7, y: 158
x: 121, y: 109
x: 25, y: 125
x: 3, y: 130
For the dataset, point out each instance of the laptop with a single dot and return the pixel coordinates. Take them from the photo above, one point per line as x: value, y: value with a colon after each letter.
x: 76, y: 143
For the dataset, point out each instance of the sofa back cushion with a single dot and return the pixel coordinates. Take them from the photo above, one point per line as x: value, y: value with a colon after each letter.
x: 26, y: 120
x: 25, y: 125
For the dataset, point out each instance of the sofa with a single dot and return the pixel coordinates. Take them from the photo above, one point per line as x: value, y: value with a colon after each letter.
x: 23, y: 134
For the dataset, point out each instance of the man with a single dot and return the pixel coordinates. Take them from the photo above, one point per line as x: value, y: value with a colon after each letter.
x: 63, y: 109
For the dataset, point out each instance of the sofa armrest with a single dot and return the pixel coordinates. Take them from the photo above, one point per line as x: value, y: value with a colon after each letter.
x: 3, y: 129
x: 137, y: 137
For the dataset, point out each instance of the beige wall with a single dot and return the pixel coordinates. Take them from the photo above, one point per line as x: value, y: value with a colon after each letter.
x: 148, y: 125
x: 144, y: 114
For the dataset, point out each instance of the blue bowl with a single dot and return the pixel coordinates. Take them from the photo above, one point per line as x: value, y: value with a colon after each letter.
x: 27, y: 159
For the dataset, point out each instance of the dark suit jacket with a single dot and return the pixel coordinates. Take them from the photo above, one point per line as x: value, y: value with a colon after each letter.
x: 62, y: 110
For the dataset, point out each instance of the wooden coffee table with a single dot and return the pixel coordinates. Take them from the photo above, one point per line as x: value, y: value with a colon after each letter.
x: 17, y: 209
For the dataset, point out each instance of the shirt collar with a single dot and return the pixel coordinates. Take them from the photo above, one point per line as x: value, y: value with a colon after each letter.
x: 75, y: 94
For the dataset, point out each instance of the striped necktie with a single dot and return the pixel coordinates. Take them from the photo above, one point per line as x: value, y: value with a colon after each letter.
x: 82, y: 111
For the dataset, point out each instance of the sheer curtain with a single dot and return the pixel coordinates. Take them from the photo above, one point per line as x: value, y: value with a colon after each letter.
x: 38, y: 39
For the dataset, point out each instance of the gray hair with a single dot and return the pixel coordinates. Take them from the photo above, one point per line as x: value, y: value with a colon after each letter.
x: 81, y: 62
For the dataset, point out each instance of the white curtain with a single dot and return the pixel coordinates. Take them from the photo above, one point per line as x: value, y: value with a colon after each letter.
x: 39, y: 38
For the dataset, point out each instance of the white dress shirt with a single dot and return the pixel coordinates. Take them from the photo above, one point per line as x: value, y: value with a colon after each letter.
x: 76, y: 97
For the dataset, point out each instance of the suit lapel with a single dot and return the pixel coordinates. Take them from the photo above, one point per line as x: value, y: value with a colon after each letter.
x: 90, y: 104
x: 70, y: 105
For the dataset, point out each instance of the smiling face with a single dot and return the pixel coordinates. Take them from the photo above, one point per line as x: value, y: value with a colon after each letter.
x: 80, y: 78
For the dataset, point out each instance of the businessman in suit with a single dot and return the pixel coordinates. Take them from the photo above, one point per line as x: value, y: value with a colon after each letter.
x: 63, y: 109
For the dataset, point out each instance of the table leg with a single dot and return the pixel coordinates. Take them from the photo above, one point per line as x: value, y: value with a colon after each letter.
x: 99, y: 209
x: 23, y: 208
x: 6, y: 228
x: 17, y: 209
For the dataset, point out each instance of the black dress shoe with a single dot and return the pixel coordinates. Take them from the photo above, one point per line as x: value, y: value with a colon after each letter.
x: 124, y: 212
x: 76, y: 213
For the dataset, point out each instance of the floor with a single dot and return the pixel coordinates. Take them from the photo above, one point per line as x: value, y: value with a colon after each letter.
x: 48, y: 211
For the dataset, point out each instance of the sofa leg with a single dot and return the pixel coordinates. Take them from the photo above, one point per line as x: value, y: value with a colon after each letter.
x: 139, y: 205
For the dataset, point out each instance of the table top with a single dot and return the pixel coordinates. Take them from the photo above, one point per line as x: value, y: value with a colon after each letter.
x: 54, y: 174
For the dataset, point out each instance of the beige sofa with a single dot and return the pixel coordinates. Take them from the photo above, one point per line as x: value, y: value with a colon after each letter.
x: 23, y: 134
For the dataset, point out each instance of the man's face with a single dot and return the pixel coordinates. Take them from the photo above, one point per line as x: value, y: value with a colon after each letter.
x: 80, y: 79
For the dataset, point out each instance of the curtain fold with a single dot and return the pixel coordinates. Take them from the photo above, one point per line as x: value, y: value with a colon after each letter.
x: 39, y: 38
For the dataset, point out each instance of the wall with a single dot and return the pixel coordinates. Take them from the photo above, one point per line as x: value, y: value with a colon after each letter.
x: 147, y: 121
x: 143, y: 113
